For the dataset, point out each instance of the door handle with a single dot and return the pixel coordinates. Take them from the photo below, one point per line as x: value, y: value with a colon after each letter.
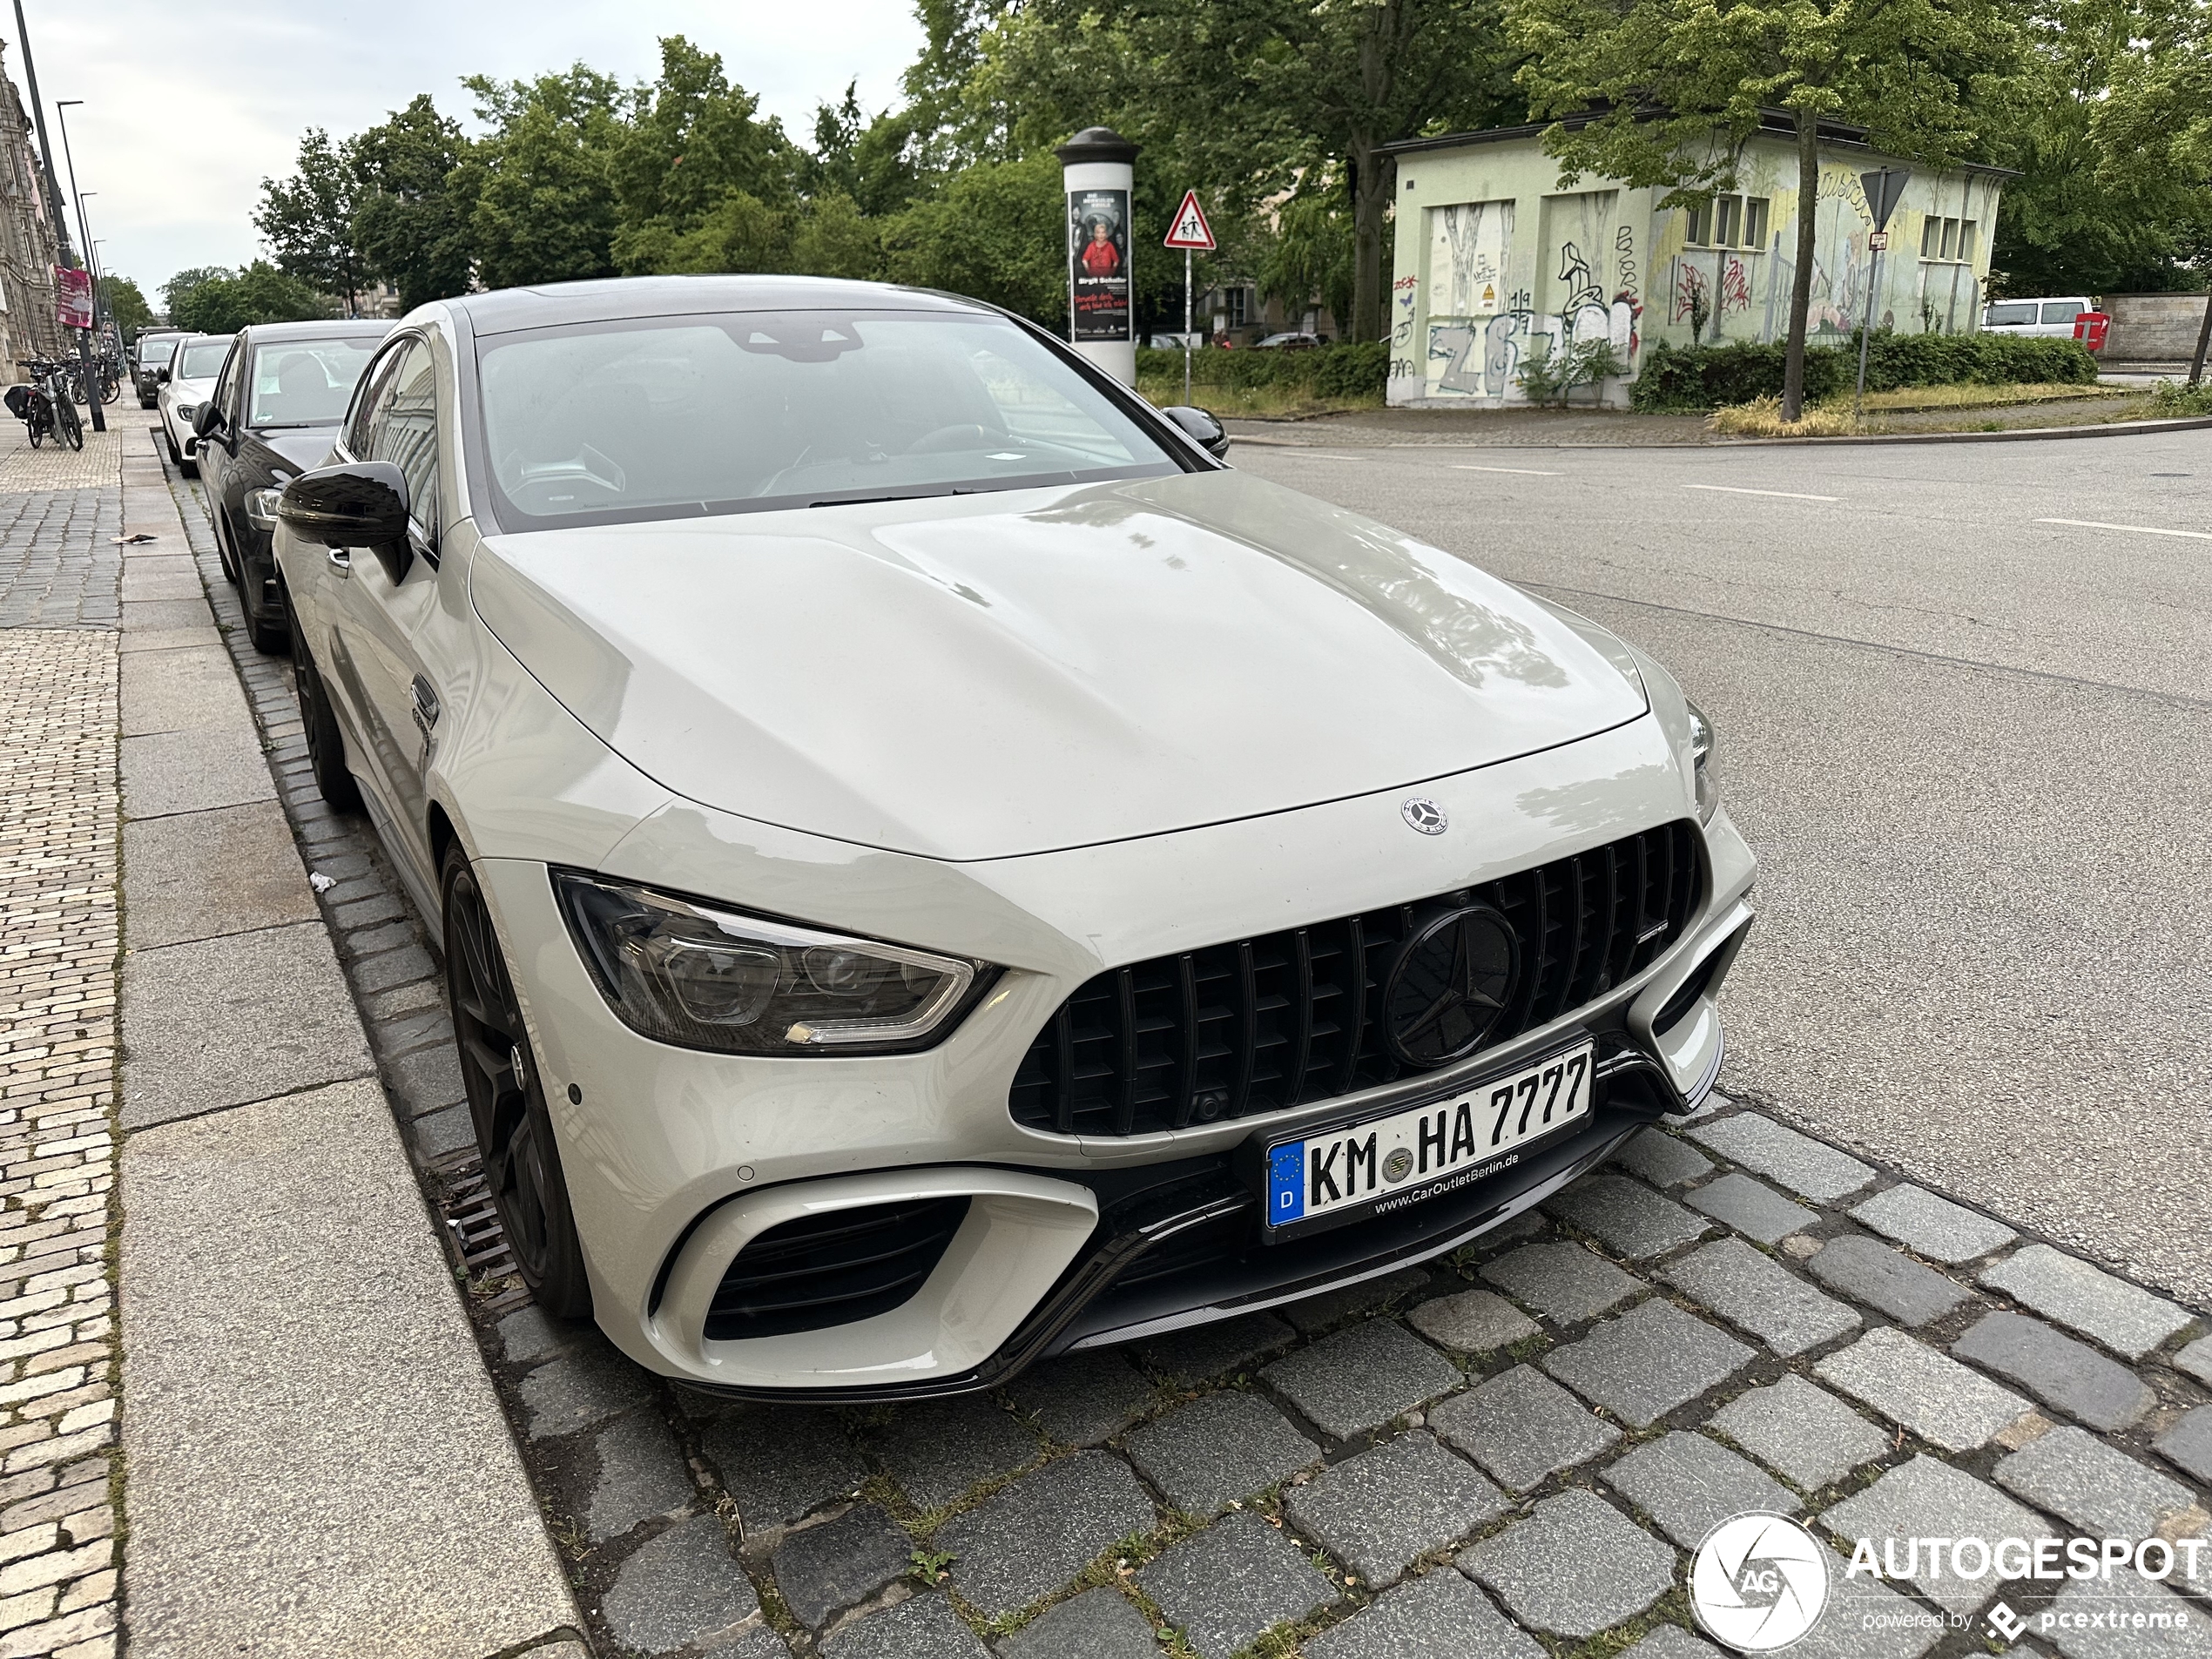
x: 341, y: 562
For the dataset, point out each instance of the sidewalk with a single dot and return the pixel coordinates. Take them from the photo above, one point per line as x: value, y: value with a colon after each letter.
x: 315, y: 1461
x: 58, y: 686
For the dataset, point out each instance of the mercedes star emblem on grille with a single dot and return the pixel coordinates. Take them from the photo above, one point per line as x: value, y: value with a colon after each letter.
x: 1426, y: 815
x: 1450, y: 984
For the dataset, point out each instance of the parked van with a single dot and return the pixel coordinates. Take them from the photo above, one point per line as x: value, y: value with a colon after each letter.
x: 2051, y: 318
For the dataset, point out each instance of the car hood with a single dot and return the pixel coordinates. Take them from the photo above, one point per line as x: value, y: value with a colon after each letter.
x: 305, y: 448
x: 981, y: 677
x: 188, y: 391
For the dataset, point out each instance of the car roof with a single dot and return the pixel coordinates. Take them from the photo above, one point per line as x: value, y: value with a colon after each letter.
x: 614, y: 299
x: 328, y: 328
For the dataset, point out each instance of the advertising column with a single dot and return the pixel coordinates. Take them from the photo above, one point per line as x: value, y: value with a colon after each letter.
x: 1102, y: 322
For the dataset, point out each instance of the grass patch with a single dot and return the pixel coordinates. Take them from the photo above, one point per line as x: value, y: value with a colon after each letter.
x: 1264, y: 402
x: 1832, y: 417
x: 1908, y: 399
x: 2171, y: 399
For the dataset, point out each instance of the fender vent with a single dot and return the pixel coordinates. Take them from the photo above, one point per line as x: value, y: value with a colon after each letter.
x: 822, y: 1270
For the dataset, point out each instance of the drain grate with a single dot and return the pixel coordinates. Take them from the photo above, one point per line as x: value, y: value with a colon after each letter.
x: 472, y: 1225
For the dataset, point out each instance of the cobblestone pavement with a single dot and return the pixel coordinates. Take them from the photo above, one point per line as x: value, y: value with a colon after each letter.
x: 58, y: 805
x: 1503, y: 1456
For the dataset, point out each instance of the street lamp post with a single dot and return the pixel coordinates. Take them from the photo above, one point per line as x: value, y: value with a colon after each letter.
x: 61, y: 219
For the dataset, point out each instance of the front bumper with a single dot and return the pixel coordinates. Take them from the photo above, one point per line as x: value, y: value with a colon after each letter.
x: 676, y: 1159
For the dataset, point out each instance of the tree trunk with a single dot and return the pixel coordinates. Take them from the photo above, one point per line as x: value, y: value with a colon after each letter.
x: 1793, y: 372
x: 2203, y: 340
x: 1372, y: 178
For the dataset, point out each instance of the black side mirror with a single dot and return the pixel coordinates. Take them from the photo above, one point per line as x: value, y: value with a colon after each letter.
x: 361, y: 503
x: 1201, y: 426
x: 160, y: 377
x: 207, y: 419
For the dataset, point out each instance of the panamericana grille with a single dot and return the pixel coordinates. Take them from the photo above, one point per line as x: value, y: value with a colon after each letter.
x: 825, y: 1269
x: 1257, y: 1025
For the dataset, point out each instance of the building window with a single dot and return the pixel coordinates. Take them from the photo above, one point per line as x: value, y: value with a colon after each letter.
x: 1729, y: 221
x: 1947, y: 239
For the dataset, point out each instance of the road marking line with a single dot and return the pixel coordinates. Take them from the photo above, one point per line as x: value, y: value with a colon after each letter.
x: 2139, y: 529
x: 1785, y: 494
x: 1322, y: 455
x: 1525, y: 472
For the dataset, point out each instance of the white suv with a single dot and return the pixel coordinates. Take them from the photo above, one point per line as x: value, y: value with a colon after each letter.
x: 2053, y: 319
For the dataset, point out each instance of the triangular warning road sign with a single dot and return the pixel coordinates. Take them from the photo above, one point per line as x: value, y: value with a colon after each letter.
x: 1191, y: 229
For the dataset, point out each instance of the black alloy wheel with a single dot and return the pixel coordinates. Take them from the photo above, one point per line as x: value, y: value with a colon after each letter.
x: 507, y: 1102
x: 325, y: 743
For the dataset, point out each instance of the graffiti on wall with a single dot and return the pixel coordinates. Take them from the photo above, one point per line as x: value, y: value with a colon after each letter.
x: 1402, y: 295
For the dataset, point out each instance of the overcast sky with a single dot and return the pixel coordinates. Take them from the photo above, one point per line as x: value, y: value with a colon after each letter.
x: 190, y: 104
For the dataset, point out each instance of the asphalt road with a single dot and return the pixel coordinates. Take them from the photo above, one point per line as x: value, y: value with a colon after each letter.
x: 1972, y: 747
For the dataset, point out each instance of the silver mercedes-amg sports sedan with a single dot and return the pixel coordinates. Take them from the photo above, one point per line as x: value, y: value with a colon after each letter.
x: 937, y: 869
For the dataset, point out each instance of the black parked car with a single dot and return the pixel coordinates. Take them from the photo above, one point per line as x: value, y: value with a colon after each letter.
x: 150, y: 354
x: 273, y: 414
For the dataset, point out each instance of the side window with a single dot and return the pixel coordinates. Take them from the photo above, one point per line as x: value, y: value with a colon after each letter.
x: 225, y: 396
x: 403, y: 429
x: 376, y: 387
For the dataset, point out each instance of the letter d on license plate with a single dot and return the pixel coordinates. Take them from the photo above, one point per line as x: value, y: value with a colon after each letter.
x: 1387, y: 1163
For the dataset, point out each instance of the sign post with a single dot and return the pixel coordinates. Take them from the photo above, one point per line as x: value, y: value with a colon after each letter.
x: 1883, y: 190
x: 1189, y: 232
x: 1102, y: 320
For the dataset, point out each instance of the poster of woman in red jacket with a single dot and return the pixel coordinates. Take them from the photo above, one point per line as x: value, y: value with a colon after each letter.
x: 1098, y: 263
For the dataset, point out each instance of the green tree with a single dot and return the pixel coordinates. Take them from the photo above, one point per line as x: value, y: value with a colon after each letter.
x: 126, y: 305
x: 177, y: 290
x: 545, y: 209
x: 834, y: 239
x: 418, y: 181
x: 227, y: 301
x: 1667, y: 93
x: 308, y: 218
x: 996, y: 233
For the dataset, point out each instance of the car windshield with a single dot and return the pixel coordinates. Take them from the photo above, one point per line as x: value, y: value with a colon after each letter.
x: 676, y: 417
x: 305, y: 382
x: 2001, y: 315
x: 154, y: 353
x: 202, y: 360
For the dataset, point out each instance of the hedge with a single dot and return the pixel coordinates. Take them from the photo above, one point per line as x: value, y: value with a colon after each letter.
x: 1691, y: 379
x: 1357, y: 370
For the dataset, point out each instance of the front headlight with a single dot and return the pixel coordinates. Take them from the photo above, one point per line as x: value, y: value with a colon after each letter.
x: 185, y: 411
x: 261, y: 508
x: 701, y: 977
x: 1702, y: 763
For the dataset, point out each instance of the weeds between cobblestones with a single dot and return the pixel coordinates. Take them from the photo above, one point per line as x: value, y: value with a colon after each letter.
x: 1342, y: 1478
x: 59, y: 938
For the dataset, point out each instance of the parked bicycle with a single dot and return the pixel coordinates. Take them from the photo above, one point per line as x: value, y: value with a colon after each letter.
x: 45, y: 406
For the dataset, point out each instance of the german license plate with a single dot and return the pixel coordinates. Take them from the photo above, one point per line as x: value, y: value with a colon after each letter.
x: 1385, y: 1163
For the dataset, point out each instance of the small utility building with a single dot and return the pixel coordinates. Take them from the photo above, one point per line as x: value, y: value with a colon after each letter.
x: 1496, y: 259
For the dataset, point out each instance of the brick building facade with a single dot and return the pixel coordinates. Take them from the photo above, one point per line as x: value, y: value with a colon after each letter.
x: 28, y: 323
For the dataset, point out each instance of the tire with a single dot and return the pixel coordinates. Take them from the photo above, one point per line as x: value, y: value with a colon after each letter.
x: 521, y: 1161
x: 270, y: 638
x: 231, y: 575
x: 37, y: 434
x: 176, y: 455
x: 72, y: 429
x: 325, y: 743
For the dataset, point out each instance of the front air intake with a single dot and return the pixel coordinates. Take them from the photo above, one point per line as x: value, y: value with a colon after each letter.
x: 833, y: 1269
